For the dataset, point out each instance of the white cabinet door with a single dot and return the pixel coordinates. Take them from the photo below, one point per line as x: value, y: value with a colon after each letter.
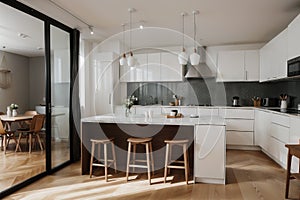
x: 141, y: 68
x: 231, y: 66
x: 188, y: 111
x: 237, y: 113
x: 239, y: 125
x: 295, y: 139
x: 252, y: 65
x: 154, y: 67
x: 209, y: 156
x: 208, y: 112
x: 265, y: 63
x: 170, y: 69
x: 293, y: 38
x: 239, y: 138
x: 262, y: 129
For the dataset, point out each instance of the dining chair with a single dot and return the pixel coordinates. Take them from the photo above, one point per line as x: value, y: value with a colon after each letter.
x: 26, y: 124
x: 6, y: 135
x: 34, y: 131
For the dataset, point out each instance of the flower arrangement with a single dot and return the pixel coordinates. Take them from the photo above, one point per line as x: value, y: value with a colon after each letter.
x: 14, y: 106
x: 128, y: 105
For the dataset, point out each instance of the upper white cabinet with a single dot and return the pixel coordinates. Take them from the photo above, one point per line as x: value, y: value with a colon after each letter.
x: 153, y: 67
x: 274, y: 58
x: 293, y: 38
x: 238, y: 66
x: 170, y: 69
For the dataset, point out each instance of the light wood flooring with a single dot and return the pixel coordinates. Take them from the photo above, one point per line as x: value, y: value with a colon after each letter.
x: 16, y: 167
x: 250, y: 175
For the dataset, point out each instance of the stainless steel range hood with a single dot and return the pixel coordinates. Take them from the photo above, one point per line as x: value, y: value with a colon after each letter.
x: 201, y: 70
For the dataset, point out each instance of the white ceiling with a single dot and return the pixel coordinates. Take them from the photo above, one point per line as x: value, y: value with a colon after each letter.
x: 219, y: 22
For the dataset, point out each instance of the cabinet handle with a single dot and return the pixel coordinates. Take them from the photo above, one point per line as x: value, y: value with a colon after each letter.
x: 246, y: 75
x: 109, y: 99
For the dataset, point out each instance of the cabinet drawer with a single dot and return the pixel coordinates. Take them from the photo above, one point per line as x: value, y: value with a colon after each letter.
x: 278, y: 151
x: 239, y: 125
x: 188, y: 111
x: 237, y: 113
x: 280, y: 132
x: 239, y: 138
x: 208, y: 112
x: 281, y: 120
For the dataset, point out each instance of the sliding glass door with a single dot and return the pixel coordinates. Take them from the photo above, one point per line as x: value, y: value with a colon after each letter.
x: 60, y: 95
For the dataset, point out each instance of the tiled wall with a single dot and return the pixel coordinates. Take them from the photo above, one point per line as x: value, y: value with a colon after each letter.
x: 199, y: 91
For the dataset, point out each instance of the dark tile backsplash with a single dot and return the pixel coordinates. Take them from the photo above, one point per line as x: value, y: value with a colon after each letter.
x: 199, y: 91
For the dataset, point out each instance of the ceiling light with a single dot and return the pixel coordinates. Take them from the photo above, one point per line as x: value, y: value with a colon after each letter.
x: 123, y: 58
x: 22, y: 35
x: 91, y: 30
x: 141, y: 26
x: 195, y: 57
x: 130, y: 59
x: 183, y: 57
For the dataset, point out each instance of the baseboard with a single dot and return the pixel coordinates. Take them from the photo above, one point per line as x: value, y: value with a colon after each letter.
x: 244, y: 147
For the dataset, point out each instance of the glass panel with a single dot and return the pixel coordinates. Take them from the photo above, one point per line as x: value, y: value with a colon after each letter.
x: 60, y: 95
x: 22, y: 65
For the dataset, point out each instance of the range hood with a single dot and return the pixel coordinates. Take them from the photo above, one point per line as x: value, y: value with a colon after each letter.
x: 201, y: 70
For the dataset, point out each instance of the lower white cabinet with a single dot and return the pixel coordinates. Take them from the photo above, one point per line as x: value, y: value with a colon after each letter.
x: 208, y: 111
x: 189, y: 111
x: 262, y: 129
x: 209, y: 156
x: 295, y: 139
x: 239, y: 138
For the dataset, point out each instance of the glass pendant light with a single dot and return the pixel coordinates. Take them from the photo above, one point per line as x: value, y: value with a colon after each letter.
x: 130, y: 59
x: 183, y: 57
x: 195, y: 57
x: 123, y: 58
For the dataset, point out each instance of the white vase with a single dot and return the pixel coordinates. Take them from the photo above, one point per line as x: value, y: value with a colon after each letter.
x: 14, y: 112
x: 8, y: 111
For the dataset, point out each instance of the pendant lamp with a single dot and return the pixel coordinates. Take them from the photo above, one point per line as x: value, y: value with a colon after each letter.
x: 130, y: 59
x: 182, y: 56
x: 123, y: 58
x: 195, y: 57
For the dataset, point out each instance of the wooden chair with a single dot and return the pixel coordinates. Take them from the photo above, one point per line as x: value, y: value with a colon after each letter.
x: 6, y: 136
x: 169, y: 160
x: 34, y: 130
x: 293, y: 150
x: 26, y: 124
x: 148, y: 145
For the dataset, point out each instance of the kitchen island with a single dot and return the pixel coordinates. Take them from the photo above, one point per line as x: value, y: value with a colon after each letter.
x: 206, y: 135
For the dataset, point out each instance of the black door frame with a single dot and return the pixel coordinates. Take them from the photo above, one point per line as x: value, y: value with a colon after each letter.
x: 74, y: 57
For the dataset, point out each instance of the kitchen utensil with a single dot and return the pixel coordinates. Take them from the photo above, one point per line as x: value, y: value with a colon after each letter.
x: 174, y: 112
x: 235, y: 101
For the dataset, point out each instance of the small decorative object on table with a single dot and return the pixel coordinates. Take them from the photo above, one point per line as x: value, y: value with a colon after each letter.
x: 14, y: 108
x: 283, y: 105
x: 128, y: 105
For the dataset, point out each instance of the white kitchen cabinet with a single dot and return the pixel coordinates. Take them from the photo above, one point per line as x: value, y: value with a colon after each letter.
x: 237, y: 113
x: 209, y: 156
x: 238, y: 66
x: 239, y: 137
x: 293, y: 38
x: 273, y: 57
x: 188, y: 111
x: 153, y: 67
x: 170, y: 69
x: 141, y: 68
x: 295, y: 139
x: 167, y: 110
x: 239, y: 125
x: 262, y: 129
x: 208, y: 111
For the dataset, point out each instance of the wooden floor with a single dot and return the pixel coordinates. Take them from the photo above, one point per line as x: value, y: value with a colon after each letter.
x: 16, y: 167
x: 250, y: 175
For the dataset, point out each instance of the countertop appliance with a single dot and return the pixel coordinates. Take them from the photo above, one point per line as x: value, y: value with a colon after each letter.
x: 293, y: 67
x: 235, y: 101
x: 270, y: 102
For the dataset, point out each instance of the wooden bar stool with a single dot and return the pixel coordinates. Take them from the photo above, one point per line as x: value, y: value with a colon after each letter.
x: 148, y: 145
x: 169, y: 161
x: 293, y: 150
x: 105, y: 142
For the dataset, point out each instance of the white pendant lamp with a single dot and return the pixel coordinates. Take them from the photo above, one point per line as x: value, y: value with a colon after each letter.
x: 130, y: 59
x: 123, y: 60
x: 182, y: 56
x: 195, y: 57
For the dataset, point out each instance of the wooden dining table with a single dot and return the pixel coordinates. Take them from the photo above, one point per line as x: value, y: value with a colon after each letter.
x: 9, y: 120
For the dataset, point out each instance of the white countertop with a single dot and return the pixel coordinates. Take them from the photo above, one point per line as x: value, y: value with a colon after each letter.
x: 156, y: 120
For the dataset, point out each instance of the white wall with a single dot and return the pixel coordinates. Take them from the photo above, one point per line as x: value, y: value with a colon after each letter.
x: 18, y: 92
x: 37, y: 81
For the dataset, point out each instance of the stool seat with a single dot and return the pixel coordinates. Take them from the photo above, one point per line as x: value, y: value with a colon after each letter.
x: 139, y: 140
x: 179, y: 142
x: 102, y: 141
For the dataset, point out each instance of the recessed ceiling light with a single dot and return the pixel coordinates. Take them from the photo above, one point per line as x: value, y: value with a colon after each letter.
x: 3, y: 47
x: 141, y: 27
x: 22, y: 35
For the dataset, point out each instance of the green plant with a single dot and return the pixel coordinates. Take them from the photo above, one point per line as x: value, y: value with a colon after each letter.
x: 14, y: 106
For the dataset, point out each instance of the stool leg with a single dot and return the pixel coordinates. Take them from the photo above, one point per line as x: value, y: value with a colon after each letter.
x: 170, y: 157
x: 114, y: 155
x: 128, y: 160
x: 105, y: 161
x: 166, y: 163
x: 5, y: 142
x: 133, y: 157
x: 19, y: 140
x: 151, y: 156
x: 30, y: 141
x: 148, y: 163
x: 185, y: 164
x: 99, y: 152
x: 92, y: 157
x: 288, y: 171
